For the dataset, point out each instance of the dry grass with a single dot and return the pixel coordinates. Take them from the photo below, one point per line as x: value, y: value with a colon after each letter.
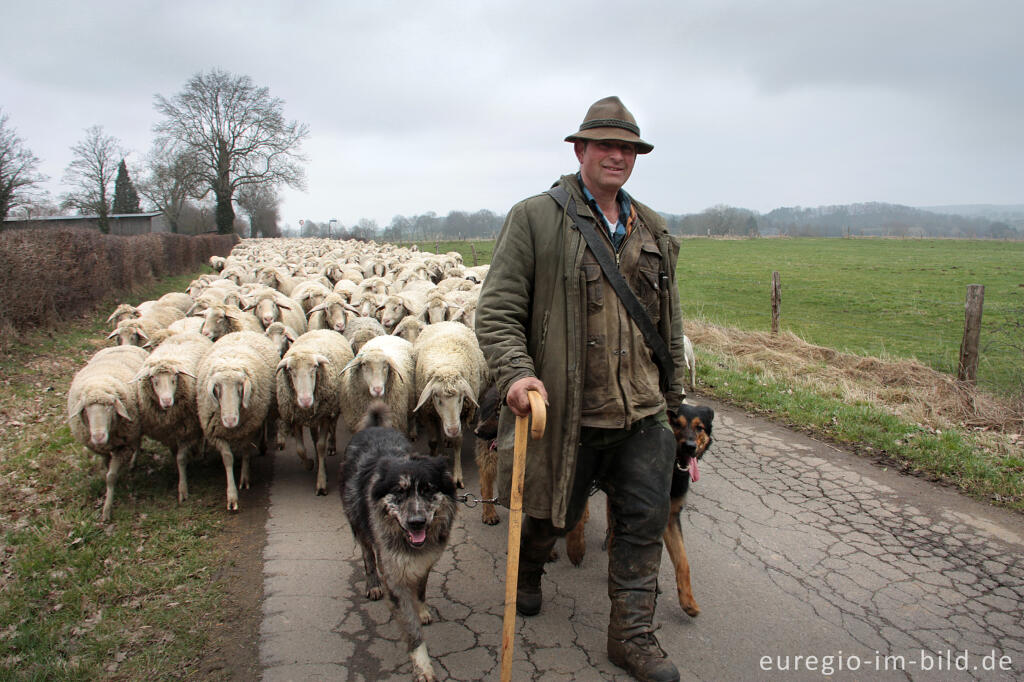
x: 907, y: 388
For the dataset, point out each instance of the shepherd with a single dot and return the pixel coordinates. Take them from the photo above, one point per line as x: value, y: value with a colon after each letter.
x: 580, y: 304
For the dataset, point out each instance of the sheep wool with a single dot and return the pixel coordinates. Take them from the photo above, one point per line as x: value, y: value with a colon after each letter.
x: 103, y: 410
x: 235, y: 393
x: 309, y: 393
x: 167, y: 398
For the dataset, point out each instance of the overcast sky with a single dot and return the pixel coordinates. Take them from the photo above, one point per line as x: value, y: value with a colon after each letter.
x: 440, y: 106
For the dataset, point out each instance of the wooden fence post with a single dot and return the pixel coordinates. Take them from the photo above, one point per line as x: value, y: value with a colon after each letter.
x: 776, y: 301
x: 967, y: 368
x: 437, y: 247
x: 473, y: 250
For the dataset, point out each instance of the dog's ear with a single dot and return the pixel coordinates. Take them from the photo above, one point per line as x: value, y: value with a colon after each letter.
x: 445, y: 477
x: 707, y: 415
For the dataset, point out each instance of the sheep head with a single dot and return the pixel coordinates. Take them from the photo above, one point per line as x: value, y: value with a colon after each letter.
x: 448, y: 398
x: 231, y: 389
x: 99, y: 415
x: 302, y: 373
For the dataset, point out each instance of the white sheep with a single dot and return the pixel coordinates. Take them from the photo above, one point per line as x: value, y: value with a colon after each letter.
x: 103, y: 410
x: 691, y: 361
x: 135, y: 331
x: 235, y: 394
x: 382, y: 370
x: 217, y: 263
x: 282, y: 336
x: 409, y: 328
x: 309, y: 394
x: 167, y: 398
x: 270, y: 306
x: 331, y: 313
x: 359, y: 330
x: 222, y: 319
x: 310, y: 294
x: 451, y: 373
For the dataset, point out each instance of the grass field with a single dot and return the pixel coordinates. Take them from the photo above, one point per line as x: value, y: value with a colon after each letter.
x: 880, y: 297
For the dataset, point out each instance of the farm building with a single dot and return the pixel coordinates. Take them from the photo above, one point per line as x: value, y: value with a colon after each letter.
x: 124, y: 224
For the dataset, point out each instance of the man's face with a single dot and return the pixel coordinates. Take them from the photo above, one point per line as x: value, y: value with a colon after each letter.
x: 605, y: 164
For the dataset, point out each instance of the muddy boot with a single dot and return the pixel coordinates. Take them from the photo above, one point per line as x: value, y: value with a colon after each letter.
x: 632, y: 587
x: 631, y: 642
x: 536, y: 543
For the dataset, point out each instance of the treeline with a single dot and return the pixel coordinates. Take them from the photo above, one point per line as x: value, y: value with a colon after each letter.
x: 851, y: 220
x: 482, y: 224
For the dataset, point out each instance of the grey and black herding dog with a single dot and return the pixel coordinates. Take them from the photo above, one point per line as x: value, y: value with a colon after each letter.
x: 401, y: 507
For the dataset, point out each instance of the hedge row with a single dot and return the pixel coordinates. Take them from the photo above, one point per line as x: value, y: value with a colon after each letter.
x: 49, y: 275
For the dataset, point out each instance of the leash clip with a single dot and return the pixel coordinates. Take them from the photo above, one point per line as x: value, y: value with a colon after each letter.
x: 471, y: 500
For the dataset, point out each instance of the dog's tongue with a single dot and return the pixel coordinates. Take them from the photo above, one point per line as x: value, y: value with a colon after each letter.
x: 418, y: 536
x: 694, y: 472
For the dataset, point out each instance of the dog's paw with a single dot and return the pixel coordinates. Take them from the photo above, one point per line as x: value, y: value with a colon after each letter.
x: 375, y: 593
x: 490, y: 517
x: 426, y: 618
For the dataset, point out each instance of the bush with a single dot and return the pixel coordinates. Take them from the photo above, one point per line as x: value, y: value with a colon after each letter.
x: 47, y: 276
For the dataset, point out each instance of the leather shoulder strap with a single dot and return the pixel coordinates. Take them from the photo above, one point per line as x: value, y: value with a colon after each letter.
x: 629, y: 300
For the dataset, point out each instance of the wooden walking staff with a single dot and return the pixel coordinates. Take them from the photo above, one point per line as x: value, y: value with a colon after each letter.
x: 515, y: 524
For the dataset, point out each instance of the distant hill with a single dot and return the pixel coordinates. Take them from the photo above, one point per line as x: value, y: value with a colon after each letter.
x: 864, y: 219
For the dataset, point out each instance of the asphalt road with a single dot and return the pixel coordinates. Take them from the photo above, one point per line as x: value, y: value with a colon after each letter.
x: 808, y: 563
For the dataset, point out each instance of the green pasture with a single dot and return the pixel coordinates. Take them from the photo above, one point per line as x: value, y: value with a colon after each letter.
x: 879, y: 297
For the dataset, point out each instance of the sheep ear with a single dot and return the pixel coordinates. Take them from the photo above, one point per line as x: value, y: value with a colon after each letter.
x: 142, y: 335
x: 187, y: 373
x: 283, y: 364
x: 209, y: 389
x: 121, y: 410
x: 249, y: 307
x: 352, y: 309
x: 283, y: 305
x: 112, y: 334
x: 77, y: 408
x: 315, y: 309
x: 428, y: 391
x: 112, y: 316
x: 396, y: 369
x: 458, y: 314
x: 246, y: 392
x: 321, y: 360
x: 139, y: 376
x: 467, y: 391
x: 352, y: 364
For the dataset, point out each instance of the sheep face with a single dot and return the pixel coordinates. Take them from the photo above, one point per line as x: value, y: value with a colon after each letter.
x: 302, y: 373
x: 282, y: 336
x: 165, y: 386
x: 100, y: 417
x: 436, y: 311
x: 267, y: 311
x: 128, y: 334
x: 393, y: 312
x: 448, y: 401
x: 215, y: 323
x: 231, y: 390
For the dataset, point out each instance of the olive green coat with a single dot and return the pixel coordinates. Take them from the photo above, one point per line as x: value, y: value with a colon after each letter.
x: 530, y: 322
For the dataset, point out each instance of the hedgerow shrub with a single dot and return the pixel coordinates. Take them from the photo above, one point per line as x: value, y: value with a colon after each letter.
x: 49, y: 275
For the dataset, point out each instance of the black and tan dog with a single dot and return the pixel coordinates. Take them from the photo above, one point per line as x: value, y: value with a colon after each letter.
x: 691, y: 425
x: 401, y: 508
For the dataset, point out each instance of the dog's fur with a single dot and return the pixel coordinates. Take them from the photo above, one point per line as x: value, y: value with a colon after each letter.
x: 691, y: 425
x: 401, y: 508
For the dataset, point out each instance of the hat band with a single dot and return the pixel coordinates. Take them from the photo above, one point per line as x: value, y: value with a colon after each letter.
x: 610, y: 123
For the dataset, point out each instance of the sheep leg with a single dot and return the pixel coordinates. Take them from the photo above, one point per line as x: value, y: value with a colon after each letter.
x: 300, y: 447
x: 457, y: 461
x: 229, y: 470
x: 113, y: 469
x: 321, y: 435
x: 182, y: 457
x: 280, y: 435
x: 131, y: 462
x: 243, y: 480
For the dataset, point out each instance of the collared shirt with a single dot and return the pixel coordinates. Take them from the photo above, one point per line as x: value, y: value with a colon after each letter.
x: 624, y: 226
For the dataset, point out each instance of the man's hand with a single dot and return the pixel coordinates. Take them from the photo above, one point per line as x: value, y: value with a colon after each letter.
x: 517, y: 399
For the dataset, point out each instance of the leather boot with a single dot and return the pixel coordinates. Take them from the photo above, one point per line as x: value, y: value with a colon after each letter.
x: 536, y: 543
x: 632, y: 587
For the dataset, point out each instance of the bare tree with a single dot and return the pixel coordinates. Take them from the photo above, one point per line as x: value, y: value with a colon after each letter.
x: 18, y: 165
x: 93, y: 167
x: 237, y: 133
x: 259, y: 202
x: 173, y: 177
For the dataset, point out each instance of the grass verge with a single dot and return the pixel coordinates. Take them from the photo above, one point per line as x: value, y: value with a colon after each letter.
x: 982, y: 463
x: 80, y: 599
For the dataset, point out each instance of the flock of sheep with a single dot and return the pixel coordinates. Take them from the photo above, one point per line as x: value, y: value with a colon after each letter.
x: 289, y: 335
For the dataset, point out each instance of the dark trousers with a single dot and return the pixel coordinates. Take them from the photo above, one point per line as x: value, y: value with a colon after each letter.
x: 634, y: 468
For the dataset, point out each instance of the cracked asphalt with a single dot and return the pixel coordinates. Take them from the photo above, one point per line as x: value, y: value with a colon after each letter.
x: 807, y: 562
